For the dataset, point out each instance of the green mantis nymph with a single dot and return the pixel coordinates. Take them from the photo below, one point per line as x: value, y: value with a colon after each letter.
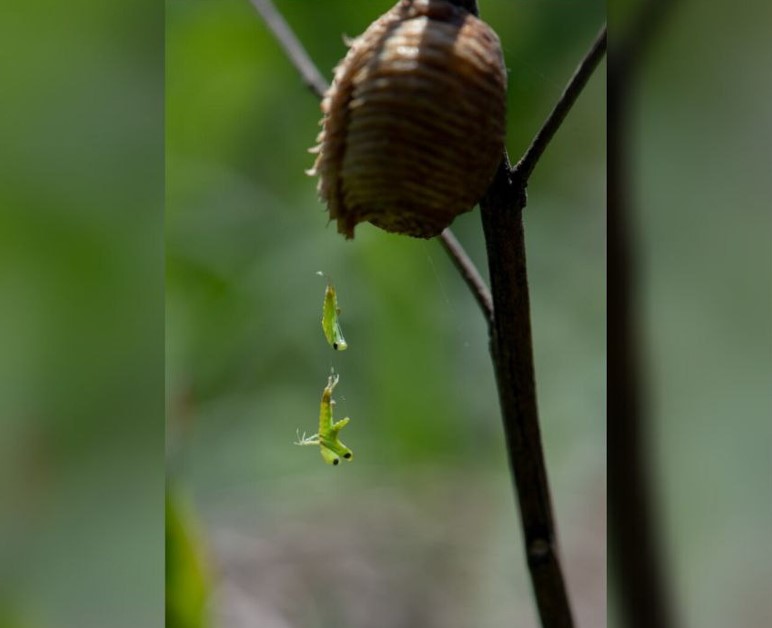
x: 330, y: 312
x: 331, y: 447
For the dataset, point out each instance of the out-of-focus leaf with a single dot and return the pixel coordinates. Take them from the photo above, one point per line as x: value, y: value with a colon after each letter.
x: 187, y: 578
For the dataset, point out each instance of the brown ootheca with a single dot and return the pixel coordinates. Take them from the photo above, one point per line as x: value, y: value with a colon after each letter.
x: 414, y: 122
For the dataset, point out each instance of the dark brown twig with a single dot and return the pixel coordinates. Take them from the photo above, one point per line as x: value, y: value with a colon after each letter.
x: 584, y: 70
x: 468, y: 271
x: 512, y: 354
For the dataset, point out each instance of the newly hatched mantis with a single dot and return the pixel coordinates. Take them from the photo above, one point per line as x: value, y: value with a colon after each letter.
x: 330, y: 444
x: 330, y: 312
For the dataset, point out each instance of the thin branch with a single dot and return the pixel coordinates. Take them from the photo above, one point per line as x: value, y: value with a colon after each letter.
x: 469, y: 272
x: 312, y: 77
x: 584, y: 70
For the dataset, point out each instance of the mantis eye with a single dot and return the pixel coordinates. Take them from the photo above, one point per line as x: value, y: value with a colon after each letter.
x: 336, y: 461
x: 335, y: 346
x: 347, y: 455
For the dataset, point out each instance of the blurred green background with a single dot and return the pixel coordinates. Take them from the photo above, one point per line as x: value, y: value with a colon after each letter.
x: 701, y: 145
x: 421, y: 528
x: 81, y: 315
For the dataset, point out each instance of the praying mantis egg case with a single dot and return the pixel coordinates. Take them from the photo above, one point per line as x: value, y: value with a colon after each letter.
x: 414, y: 121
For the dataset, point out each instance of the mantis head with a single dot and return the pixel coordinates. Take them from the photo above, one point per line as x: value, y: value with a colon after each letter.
x: 332, y: 452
